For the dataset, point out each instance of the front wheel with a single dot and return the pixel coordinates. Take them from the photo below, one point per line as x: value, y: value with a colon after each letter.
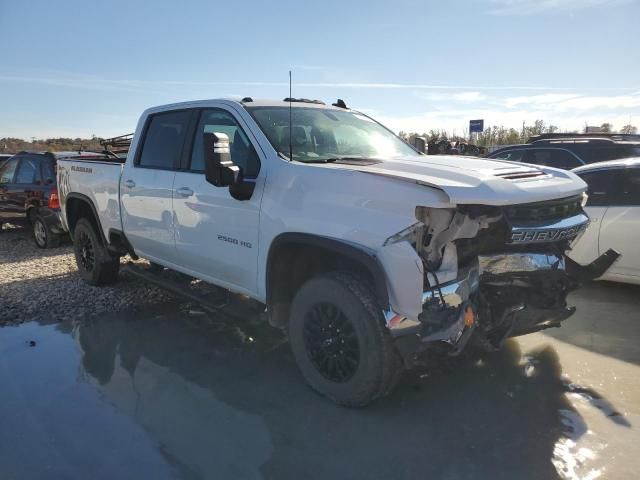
x: 340, y: 342
x: 96, y: 265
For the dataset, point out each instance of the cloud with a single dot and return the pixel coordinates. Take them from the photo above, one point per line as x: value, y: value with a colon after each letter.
x: 463, y: 97
x: 72, y: 80
x: 530, y: 7
x: 545, y: 99
x: 445, y: 106
x: 554, y: 102
x: 567, y: 111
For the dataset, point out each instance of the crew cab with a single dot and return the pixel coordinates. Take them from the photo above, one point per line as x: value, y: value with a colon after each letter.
x: 365, y: 251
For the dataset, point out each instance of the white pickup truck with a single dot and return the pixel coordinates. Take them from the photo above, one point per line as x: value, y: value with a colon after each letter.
x: 365, y: 251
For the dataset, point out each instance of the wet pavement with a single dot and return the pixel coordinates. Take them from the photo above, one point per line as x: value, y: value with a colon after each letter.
x: 166, y: 393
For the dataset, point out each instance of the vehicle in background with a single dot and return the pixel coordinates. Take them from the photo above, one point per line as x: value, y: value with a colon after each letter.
x: 366, y: 251
x: 614, y: 209
x: 28, y: 191
x: 569, y: 151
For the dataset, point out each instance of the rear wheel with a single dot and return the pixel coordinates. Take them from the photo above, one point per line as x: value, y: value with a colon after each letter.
x: 95, y: 263
x: 42, y: 234
x: 339, y: 340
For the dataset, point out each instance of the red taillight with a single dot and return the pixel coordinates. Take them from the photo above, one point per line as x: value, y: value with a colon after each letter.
x: 54, y: 201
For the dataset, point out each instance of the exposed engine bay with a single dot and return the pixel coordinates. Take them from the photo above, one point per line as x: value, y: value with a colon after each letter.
x: 490, y: 273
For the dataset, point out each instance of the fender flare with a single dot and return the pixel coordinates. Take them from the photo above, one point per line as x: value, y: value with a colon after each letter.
x: 88, y: 201
x: 362, y: 255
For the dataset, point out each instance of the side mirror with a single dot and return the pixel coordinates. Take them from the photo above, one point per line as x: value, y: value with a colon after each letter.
x: 219, y: 170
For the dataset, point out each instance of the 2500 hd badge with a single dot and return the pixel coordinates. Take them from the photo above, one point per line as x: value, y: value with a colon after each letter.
x: 235, y: 241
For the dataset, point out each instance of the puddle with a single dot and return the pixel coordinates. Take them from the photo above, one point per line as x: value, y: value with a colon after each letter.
x: 176, y: 392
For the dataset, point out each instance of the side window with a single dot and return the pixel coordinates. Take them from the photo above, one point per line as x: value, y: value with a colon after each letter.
x: 631, y: 187
x: 552, y: 158
x: 8, y: 170
x: 27, y: 171
x: 603, y: 187
x: 164, y: 139
x: 512, y: 155
x: 242, y: 152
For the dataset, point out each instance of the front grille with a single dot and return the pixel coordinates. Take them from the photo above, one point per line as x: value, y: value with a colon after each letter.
x: 544, y: 211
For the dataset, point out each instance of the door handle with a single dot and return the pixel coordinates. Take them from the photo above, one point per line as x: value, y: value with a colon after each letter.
x: 184, y: 191
x: 129, y: 183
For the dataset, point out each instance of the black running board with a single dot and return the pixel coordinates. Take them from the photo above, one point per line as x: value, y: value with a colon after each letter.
x: 175, y: 287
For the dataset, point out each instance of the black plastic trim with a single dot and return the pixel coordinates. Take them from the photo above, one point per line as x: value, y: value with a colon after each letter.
x: 363, y: 256
x: 120, y: 241
x: 87, y: 200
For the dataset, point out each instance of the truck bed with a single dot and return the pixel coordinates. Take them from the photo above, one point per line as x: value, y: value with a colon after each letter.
x: 99, y: 181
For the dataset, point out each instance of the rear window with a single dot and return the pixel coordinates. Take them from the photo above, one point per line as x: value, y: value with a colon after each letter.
x: 27, y: 171
x: 164, y: 140
x: 603, y: 187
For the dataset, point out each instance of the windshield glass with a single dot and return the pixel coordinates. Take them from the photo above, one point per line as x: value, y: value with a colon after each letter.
x: 322, y: 134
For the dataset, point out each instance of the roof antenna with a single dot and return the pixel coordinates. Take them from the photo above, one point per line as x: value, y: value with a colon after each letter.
x: 290, y: 122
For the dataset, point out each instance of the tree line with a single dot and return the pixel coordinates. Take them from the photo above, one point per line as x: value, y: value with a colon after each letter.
x: 61, y: 144
x: 493, y: 135
x: 500, y: 135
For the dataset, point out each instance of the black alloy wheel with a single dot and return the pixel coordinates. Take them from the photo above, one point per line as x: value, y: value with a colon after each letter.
x: 331, y: 342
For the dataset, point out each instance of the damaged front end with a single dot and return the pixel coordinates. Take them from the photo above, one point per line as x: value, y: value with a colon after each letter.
x: 490, y: 273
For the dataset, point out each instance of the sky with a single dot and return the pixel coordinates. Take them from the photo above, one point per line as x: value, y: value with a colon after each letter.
x: 80, y: 68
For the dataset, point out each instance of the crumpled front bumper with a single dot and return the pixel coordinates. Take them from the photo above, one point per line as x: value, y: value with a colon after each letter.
x: 446, y: 312
x: 504, y: 295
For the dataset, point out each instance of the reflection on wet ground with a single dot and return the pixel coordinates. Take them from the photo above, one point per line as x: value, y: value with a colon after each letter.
x: 173, y: 394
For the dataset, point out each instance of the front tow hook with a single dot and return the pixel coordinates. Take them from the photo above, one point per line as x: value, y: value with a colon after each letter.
x: 586, y: 273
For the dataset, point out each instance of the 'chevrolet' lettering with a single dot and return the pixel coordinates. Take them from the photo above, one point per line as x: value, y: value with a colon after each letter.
x: 547, y: 235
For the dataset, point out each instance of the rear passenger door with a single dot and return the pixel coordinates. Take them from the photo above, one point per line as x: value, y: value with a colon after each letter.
x: 146, y: 187
x: 621, y: 225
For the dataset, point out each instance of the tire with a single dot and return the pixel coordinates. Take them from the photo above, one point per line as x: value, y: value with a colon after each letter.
x: 96, y: 265
x: 43, y: 237
x: 327, y: 314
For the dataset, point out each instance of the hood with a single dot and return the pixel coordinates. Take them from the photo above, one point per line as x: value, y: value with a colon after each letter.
x: 471, y: 180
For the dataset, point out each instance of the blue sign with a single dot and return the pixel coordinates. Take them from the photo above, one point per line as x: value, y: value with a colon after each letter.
x: 476, y: 126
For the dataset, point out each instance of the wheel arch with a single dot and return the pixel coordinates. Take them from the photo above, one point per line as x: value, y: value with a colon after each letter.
x: 79, y: 206
x: 293, y: 258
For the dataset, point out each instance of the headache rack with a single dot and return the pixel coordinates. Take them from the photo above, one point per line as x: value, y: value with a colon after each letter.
x: 118, y: 144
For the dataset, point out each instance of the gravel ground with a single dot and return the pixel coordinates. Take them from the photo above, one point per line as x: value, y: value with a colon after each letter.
x: 45, y: 284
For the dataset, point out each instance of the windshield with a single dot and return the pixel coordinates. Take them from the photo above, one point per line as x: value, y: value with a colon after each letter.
x: 323, y: 134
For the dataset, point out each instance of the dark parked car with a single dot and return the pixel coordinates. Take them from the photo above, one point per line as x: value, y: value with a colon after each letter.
x: 28, y: 191
x: 571, y: 151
